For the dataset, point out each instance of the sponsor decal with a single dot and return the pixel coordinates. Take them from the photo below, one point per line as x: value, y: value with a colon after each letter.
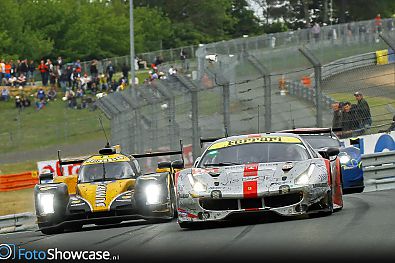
x: 250, y: 187
x: 262, y: 139
x: 107, y: 159
x: 101, y: 191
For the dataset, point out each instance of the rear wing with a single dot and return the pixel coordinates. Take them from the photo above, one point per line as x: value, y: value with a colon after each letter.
x: 210, y: 139
x: 69, y: 161
x: 312, y: 130
x: 156, y: 154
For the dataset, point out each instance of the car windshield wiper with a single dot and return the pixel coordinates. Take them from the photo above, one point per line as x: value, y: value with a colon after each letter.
x: 221, y: 164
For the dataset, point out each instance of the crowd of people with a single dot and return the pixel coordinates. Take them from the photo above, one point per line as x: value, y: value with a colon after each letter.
x: 351, y: 119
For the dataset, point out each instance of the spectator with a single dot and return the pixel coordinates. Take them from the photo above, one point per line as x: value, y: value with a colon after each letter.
x: 21, y: 80
x: 158, y: 61
x: 40, y: 104
x: 337, y: 115
x: 23, y: 67
x: 172, y: 71
x: 69, y: 72
x: 13, y: 68
x: 392, y: 126
x: 85, y: 82
x: 142, y: 63
x: 125, y: 71
x: 77, y: 66
x: 93, y: 70
x: 316, y: 31
x: 2, y: 70
x: 5, y: 94
x: 30, y: 73
x: 41, y: 94
x: 44, y: 72
x: 349, y: 121
x: 103, y: 82
x: 12, y: 81
x: 184, y: 60
x: 64, y: 78
x: 75, y: 78
x: 362, y: 111
x: 52, y: 94
x: 378, y: 23
x: 110, y: 70
x: 136, y: 64
x: 7, y: 70
x: 71, y: 98
x: 59, y: 62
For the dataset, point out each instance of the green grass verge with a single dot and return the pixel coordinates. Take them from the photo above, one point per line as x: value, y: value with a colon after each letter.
x: 55, y: 124
x: 12, y: 168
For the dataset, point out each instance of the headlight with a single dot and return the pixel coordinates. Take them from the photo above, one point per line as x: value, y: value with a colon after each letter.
x: 152, y: 194
x: 196, y: 185
x: 305, y: 176
x: 199, y: 187
x: 45, y: 203
x: 344, y: 159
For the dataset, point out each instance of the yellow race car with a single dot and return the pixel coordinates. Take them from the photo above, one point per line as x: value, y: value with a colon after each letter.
x: 108, y: 189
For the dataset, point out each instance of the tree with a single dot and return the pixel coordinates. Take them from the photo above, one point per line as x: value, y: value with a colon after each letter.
x: 246, y: 23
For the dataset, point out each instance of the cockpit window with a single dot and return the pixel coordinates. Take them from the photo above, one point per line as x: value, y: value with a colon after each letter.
x: 255, y: 153
x: 107, y: 171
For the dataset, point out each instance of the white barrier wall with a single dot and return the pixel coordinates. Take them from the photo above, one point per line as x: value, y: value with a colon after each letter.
x: 374, y: 143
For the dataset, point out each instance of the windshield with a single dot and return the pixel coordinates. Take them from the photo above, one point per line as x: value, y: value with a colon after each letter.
x: 254, y: 153
x: 321, y: 141
x: 113, y: 171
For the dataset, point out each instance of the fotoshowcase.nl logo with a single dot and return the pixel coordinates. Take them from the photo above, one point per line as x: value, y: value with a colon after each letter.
x: 11, y: 252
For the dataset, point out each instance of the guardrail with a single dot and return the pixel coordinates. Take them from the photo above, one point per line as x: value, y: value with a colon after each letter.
x: 11, y: 182
x: 17, y: 222
x: 379, y: 165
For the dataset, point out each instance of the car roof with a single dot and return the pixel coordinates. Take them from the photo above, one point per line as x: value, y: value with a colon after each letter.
x: 257, y: 135
x: 110, y: 158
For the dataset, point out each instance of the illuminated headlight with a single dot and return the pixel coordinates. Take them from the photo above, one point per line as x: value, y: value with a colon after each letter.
x: 196, y: 185
x: 46, y: 203
x: 152, y: 194
x: 199, y: 187
x: 344, y: 159
x: 305, y: 176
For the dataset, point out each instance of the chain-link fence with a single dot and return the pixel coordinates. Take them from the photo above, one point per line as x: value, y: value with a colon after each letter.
x: 250, y: 85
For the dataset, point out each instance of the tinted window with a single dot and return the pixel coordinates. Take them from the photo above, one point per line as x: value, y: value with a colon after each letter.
x: 256, y: 153
x: 321, y: 141
x: 108, y: 171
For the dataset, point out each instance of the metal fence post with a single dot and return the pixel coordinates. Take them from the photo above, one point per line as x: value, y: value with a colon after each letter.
x: 195, y: 124
x: 267, y: 87
x: 388, y: 40
x: 226, y: 104
x: 317, y: 77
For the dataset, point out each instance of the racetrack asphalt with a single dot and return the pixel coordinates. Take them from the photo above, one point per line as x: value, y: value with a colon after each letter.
x: 364, y: 230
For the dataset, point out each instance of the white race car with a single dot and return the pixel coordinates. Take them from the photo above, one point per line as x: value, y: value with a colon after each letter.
x: 275, y: 172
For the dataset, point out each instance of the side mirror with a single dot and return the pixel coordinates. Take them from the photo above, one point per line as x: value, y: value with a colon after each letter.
x: 163, y: 165
x: 332, y: 151
x: 177, y: 164
x: 45, y: 178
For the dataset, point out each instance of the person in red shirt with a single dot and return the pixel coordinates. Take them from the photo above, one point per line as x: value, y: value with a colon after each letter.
x: 44, y: 72
x: 378, y: 23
